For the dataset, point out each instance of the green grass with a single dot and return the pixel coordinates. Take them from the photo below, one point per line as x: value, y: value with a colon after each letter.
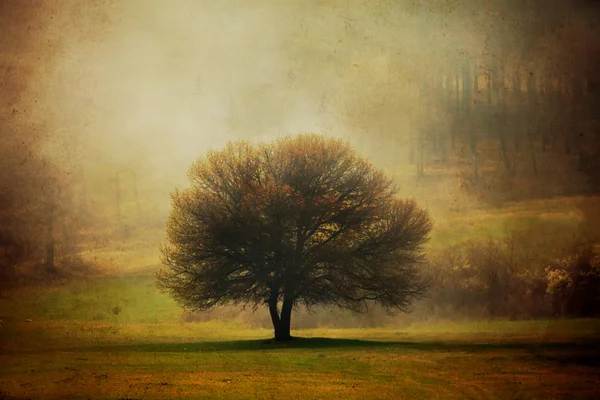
x: 454, y: 362
x: 559, y: 219
x: 143, y: 352
x: 117, y: 337
x: 117, y: 299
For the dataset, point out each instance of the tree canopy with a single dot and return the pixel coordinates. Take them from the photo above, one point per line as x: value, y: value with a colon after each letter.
x: 300, y: 221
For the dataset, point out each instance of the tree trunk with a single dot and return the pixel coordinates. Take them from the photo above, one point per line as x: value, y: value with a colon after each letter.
x: 467, y: 89
x: 504, y: 151
x: 474, y: 155
x: 497, y: 95
x: 533, y: 120
x: 274, y: 312
x: 449, y: 109
x: 441, y: 148
x: 49, y: 259
x: 281, y: 321
x: 517, y: 99
x: 421, y: 161
x: 532, y: 152
x: 283, y: 330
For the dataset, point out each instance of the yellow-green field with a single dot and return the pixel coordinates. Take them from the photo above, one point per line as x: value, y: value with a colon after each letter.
x: 559, y: 219
x: 487, y: 361
x: 78, y: 346
x: 111, y: 335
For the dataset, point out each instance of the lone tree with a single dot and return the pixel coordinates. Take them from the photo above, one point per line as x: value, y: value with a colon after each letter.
x: 300, y: 221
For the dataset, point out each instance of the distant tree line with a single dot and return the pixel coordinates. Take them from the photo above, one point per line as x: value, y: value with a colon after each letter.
x: 521, y: 133
x: 39, y: 217
x: 498, y: 279
x: 513, y: 118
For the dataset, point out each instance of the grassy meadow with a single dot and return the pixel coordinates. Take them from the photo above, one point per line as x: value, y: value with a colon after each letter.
x: 216, y: 360
x: 112, y: 335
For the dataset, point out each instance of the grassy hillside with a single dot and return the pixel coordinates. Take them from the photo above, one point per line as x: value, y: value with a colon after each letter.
x: 558, y: 219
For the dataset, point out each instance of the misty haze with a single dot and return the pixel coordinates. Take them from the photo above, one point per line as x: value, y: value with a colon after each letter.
x: 299, y: 199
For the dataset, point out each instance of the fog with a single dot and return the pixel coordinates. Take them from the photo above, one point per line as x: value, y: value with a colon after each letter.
x: 142, y: 88
x: 154, y: 84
